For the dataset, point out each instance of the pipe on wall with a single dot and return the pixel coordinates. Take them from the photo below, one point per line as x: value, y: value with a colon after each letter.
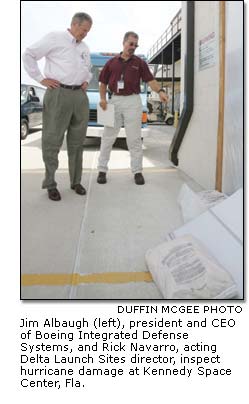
x: 188, y: 85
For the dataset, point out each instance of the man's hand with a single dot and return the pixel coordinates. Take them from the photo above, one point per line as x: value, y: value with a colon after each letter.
x: 50, y: 83
x: 84, y: 85
x: 103, y: 104
x: 163, y: 97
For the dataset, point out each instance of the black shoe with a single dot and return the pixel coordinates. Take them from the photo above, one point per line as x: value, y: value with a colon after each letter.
x: 79, y: 189
x: 101, y: 178
x: 54, y: 194
x: 139, y: 179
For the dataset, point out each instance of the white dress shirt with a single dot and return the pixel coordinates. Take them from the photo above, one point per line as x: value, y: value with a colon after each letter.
x: 67, y: 61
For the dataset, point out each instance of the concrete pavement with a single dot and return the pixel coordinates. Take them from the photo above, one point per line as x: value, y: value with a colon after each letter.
x: 93, y: 247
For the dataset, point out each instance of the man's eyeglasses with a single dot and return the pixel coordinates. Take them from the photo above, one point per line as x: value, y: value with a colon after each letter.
x: 133, y: 44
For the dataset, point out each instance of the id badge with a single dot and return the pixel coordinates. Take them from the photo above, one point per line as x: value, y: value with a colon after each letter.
x: 120, y: 85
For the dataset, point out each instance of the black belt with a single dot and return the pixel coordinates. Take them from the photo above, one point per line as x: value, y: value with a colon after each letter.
x: 70, y: 87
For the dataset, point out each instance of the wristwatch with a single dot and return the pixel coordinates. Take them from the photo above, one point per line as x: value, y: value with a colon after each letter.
x: 161, y: 89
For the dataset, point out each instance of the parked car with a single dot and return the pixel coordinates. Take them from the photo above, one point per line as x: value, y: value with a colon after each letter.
x: 31, y: 107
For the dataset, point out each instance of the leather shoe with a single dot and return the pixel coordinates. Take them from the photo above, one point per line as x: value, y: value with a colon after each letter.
x: 79, y: 189
x: 139, y: 179
x: 54, y: 194
x: 101, y: 178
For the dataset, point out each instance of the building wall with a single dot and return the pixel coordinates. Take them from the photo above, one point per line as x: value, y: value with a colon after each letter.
x: 233, y: 119
x: 197, y: 154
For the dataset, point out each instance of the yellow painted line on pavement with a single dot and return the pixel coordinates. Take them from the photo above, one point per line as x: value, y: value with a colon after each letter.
x: 76, y: 279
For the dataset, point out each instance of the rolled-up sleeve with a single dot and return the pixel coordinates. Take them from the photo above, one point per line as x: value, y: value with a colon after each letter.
x: 34, y: 53
x: 105, y: 73
x: 145, y: 72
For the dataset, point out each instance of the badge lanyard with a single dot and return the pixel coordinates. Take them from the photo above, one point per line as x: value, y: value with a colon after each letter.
x: 121, y: 81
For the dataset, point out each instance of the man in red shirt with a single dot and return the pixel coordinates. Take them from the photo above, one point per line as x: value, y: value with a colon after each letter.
x: 122, y: 74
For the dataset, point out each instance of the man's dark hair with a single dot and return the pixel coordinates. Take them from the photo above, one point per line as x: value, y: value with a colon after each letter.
x: 81, y: 17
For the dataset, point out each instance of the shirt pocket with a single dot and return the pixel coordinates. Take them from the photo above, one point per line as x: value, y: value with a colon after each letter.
x: 133, y: 76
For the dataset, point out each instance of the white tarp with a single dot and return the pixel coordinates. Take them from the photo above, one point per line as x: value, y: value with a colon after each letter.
x: 234, y: 90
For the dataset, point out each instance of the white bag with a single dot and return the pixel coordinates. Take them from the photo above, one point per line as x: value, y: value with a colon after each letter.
x: 184, y: 269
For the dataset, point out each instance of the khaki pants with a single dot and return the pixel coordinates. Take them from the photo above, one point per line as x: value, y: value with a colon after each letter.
x: 128, y: 111
x: 63, y: 110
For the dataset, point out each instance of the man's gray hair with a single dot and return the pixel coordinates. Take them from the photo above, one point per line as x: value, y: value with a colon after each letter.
x: 130, y: 33
x: 81, y: 17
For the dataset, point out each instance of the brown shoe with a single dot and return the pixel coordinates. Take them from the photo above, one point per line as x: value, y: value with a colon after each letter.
x: 54, y: 194
x: 139, y: 179
x: 101, y: 178
x: 79, y: 189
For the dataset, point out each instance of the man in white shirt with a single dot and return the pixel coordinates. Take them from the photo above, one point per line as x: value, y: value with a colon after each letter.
x: 67, y: 73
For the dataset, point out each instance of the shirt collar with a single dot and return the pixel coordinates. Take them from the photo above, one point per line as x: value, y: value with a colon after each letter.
x: 120, y: 58
x: 70, y: 36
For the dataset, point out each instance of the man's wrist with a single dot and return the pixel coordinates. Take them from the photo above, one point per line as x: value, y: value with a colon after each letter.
x: 162, y: 90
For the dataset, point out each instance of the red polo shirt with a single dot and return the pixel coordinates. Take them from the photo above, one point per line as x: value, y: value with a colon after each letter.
x: 133, y: 70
